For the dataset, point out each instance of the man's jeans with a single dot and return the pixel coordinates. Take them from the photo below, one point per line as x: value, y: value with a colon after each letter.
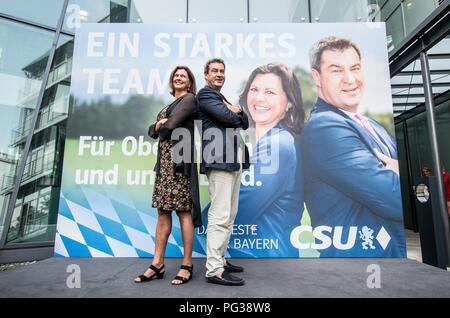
x: 224, y: 192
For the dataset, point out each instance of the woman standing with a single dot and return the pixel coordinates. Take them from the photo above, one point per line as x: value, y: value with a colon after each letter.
x: 176, y: 184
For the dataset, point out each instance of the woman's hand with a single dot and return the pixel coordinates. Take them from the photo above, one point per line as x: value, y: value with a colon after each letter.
x: 159, y: 124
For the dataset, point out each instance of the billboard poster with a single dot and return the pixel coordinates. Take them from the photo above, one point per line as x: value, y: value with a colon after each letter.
x: 323, y: 182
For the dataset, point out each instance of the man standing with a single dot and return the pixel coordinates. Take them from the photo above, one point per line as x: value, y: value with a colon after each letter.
x: 350, y: 161
x: 223, y: 166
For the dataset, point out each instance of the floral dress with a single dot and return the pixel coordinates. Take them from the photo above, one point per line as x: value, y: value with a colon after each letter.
x: 172, y: 190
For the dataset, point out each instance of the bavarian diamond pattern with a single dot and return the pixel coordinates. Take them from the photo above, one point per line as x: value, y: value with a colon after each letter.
x: 106, y: 223
x: 383, y: 238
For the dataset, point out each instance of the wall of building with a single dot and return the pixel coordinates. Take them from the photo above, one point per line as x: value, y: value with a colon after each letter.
x: 27, y: 29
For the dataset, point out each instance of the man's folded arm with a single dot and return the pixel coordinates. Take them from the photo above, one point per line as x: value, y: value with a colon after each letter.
x: 340, y: 158
x: 213, y: 105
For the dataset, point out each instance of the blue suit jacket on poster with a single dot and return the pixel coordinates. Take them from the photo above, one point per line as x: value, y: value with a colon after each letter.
x: 347, y: 185
x: 274, y: 203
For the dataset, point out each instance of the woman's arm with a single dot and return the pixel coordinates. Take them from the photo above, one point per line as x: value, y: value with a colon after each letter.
x: 186, y: 107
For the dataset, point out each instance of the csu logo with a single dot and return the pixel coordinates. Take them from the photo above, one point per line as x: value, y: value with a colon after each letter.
x: 326, y: 236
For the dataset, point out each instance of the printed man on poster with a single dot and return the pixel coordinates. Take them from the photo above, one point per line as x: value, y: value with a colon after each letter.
x: 350, y: 161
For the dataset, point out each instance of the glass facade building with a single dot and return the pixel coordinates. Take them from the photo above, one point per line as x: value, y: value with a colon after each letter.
x: 36, y: 48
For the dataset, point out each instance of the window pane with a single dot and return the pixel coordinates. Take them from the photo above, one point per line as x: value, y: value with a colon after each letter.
x: 404, y: 177
x: 217, y: 11
x: 394, y: 29
x: 279, y: 11
x: 20, y: 47
x: 101, y: 11
x: 339, y: 11
x: 155, y: 11
x: 419, y: 144
x: 416, y: 11
x: 45, y: 12
x: 34, y: 216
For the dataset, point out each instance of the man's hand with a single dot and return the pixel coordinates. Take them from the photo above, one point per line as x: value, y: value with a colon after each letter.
x: 233, y: 108
x: 391, y: 164
x: 160, y: 123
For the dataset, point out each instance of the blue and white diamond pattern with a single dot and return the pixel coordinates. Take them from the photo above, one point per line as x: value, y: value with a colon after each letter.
x: 110, y: 226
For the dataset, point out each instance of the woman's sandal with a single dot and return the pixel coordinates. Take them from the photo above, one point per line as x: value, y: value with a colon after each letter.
x: 184, y: 280
x: 156, y: 275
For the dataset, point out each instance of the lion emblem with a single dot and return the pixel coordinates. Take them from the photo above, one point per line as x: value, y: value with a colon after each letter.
x: 366, y: 234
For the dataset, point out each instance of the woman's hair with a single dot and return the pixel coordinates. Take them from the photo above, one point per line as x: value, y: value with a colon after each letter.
x: 294, y: 119
x: 192, y: 87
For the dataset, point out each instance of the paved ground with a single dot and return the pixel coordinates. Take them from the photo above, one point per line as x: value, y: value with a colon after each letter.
x: 113, y: 277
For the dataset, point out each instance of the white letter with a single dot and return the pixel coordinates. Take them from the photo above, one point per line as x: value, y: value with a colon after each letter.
x: 164, y: 46
x: 318, y: 234
x: 154, y: 76
x: 108, y: 80
x: 244, y: 45
x: 111, y: 42
x: 201, y: 45
x: 145, y: 147
x: 283, y: 41
x: 250, y: 181
x: 374, y: 280
x: 74, y: 279
x: 134, y: 146
x: 337, y: 237
x: 81, y: 146
x: 223, y: 42
x: 133, y: 81
x: 91, y: 78
x: 295, y: 237
x: 265, y: 44
x: 132, y: 48
x: 93, y: 44
x: 111, y: 176
x: 182, y: 42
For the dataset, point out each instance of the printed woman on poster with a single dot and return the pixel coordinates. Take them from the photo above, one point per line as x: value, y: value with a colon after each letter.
x: 273, y: 206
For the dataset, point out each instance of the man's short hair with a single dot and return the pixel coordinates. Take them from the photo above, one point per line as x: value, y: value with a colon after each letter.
x: 331, y: 43
x: 214, y: 60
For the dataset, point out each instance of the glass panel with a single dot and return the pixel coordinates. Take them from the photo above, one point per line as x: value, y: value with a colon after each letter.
x: 34, y: 216
x: 381, y: 2
x: 3, y: 200
x: 440, y: 90
x: 14, y: 228
x: 415, y: 11
x: 441, y: 79
x: 279, y: 11
x: 438, y: 63
x: 394, y: 29
x: 340, y: 11
x: 419, y: 142
x: 102, y: 11
x: 155, y: 11
x: 217, y: 11
x: 443, y: 47
x: 45, y: 12
x: 443, y: 133
x: 388, y: 8
x: 404, y: 176
x: 30, y: 221
x: 20, y: 46
x: 413, y: 66
x: 406, y: 79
